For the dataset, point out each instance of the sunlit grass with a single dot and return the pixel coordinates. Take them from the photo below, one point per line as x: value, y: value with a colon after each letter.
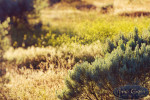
x: 64, y: 56
x: 36, y: 85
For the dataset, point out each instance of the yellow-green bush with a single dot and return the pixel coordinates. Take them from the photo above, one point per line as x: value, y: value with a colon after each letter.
x: 86, y: 31
x: 105, y: 26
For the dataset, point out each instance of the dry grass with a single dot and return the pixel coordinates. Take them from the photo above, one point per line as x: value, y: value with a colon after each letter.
x: 131, y: 6
x: 119, y: 6
x: 64, y: 56
x: 36, y: 85
x: 79, y: 51
x: 21, y: 55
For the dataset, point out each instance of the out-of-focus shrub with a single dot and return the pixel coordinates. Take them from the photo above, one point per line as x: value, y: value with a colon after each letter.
x: 18, y: 8
x: 4, y: 45
x: 4, y: 40
x: 57, y: 1
x: 20, y: 13
x: 69, y: 1
x: 54, y: 1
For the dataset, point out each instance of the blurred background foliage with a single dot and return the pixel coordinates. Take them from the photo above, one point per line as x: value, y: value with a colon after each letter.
x: 4, y: 46
x: 28, y: 27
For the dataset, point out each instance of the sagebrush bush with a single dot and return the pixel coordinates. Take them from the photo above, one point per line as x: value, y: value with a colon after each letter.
x: 128, y: 62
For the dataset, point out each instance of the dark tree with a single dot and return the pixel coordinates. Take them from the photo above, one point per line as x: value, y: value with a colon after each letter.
x: 17, y: 8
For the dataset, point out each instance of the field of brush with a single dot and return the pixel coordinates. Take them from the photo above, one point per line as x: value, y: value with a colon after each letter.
x: 38, y: 61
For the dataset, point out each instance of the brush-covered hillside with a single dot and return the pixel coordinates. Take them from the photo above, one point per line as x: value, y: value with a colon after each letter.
x: 73, y: 49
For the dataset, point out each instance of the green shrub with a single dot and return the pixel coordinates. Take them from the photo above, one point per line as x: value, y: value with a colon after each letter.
x: 128, y: 62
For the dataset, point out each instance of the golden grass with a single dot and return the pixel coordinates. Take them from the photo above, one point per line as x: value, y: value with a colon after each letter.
x: 36, y: 85
x: 79, y: 51
x: 119, y: 6
x: 64, y: 56
x: 131, y: 6
x: 21, y: 55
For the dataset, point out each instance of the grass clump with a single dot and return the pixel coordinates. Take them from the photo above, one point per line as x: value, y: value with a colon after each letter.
x: 64, y: 56
x: 25, y: 57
